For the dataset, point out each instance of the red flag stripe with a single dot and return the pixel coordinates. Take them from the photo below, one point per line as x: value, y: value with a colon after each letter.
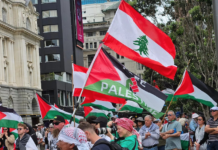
x: 79, y: 68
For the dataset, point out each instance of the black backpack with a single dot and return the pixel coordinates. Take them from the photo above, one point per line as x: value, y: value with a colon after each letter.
x: 113, y: 145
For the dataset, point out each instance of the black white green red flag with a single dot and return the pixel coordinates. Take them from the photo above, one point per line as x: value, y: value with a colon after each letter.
x: 110, y: 81
x: 193, y: 88
x: 133, y: 36
x: 9, y: 118
x: 49, y: 111
x: 131, y: 106
x: 91, y: 111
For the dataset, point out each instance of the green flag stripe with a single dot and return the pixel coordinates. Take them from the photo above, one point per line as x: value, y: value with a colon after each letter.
x: 8, y: 123
x: 99, y: 106
x: 131, y: 108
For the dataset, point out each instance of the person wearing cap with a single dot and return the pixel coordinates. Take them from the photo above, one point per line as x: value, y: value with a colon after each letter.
x: 171, y: 132
x: 140, y: 123
x: 193, y: 124
x: 150, y: 134
x: 59, y: 122
x: 212, y: 129
x: 101, y: 122
x: 72, y: 138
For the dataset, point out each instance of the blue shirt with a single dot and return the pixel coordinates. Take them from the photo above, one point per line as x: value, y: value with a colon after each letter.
x: 193, y: 125
x: 101, y: 146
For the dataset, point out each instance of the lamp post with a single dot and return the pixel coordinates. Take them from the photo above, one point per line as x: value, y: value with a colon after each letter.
x: 215, y: 20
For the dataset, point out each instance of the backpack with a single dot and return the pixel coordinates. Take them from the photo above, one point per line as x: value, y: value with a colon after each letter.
x: 113, y: 145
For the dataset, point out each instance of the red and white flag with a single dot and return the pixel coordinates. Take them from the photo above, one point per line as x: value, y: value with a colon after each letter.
x: 133, y: 36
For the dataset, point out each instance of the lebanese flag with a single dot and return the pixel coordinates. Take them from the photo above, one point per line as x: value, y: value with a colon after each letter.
x: 91, y: 111
x: 110, y: 81
x: 49, y: 111
x: 133, y: 36
x: 192, y: 88
x: 9, y: 118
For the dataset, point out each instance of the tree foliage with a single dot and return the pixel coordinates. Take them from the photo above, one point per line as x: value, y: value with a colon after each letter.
x: 190, y: 26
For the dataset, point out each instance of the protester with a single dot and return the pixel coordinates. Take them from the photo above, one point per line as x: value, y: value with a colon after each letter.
x: 41, y: 130
x: 101, y: 122
x: 150, y: 134
x: 193, y: 124
x: 171, y: 132
x: 183, y: 121
x: 126, y: 131
x: 32, y: 133
x: 162, y: 142
x: 72, y: 138
x: 200, y: 136
x: 39, y: 137
x: 91, y: 135
x: 140, y: 123
x: 7, y: 139
x: 24, y: 141
x: 212, y: 129
x: 132, y: 118
x: 82, y: 120
x: 48, y: 135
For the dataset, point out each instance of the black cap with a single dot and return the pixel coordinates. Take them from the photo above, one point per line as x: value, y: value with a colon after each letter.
x: 59, y: 118
x: 102, y: 120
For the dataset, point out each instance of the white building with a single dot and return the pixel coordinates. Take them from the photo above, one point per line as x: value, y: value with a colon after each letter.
x: 97, y: 18
x: 19, y: 58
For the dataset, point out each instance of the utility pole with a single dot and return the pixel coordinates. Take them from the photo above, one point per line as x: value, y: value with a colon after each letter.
x: 215, y: 20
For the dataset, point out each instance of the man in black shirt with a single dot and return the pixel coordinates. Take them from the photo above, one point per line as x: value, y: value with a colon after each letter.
x: 93, y: 137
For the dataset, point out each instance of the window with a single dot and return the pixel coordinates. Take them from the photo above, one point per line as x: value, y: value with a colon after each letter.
x: 93, y: 20
x: 91, y: 45
x: 28, y: 24
x: 48, y: 1
x: 69, y: 98
x: 61, y: 97
x: 139, y: 66
x: 83, y: 12
x: 4, y: 47
x: 49, y: 14
x: 4, y: 14
x: 87, y: 45
x: 50, y: 28
x: 103, y: 32
x: 46, y: 96
x: 122, y: 57
x: 90, y: 58
x: 95, y: 44
x: 84, y: 18
x: 69, y: 77
x: 89, y: 34
x: 34, y: 1
x: 52, y: 57
x: 123, y: 64
x: 40, y: 59
x: 38, y: 30
x: 118, y: 56
x: 51, y: 43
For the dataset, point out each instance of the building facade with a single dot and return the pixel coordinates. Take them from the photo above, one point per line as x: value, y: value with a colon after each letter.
x: 58, y: 50
x: 19, y: 59
x: 97, y: 18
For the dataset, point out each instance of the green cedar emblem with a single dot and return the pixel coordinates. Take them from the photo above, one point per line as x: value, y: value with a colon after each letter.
x: 142, y: 42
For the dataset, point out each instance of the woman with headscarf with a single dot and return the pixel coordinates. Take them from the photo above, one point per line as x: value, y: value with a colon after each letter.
x: 128, y: 136
x: 7, y: 139
x: 72, y: 138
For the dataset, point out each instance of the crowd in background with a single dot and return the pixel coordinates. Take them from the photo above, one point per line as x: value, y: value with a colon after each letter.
x: 99, y: 133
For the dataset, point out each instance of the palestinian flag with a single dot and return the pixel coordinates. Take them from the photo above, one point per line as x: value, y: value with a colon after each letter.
x: 185, y: 141
x: 110, y: 81
x: 9, y: 118
x: 91, y: 111
x: 102, y: 105
x: 131, y: 107
x: 49, y: 111
x: 169, y: 93
x: 133, y: 36
x: 192, y: 88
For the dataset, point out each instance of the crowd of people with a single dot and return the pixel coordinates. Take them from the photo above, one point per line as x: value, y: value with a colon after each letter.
x: 99, y: 133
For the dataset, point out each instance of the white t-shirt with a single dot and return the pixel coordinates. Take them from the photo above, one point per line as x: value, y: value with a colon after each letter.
x: 39, y: 137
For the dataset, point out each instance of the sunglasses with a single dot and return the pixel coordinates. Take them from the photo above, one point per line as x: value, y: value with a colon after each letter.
x: 169, y: 115
x: 213, y: 110
x: 56, y: 123
x: 19, y: 128
x: 5, y: 129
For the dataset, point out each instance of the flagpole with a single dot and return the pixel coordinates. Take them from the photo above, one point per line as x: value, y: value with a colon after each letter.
x: 88, y: 73
x: 174, y: 93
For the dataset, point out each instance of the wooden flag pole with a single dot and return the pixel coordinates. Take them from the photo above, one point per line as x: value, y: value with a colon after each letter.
x: 173, y: 94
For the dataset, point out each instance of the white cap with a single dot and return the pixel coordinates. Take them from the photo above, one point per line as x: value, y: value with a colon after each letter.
x: 195, y: 115
x: 214, y: 108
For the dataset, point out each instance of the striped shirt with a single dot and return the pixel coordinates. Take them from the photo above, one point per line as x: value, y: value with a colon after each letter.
x: 213, y: 124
